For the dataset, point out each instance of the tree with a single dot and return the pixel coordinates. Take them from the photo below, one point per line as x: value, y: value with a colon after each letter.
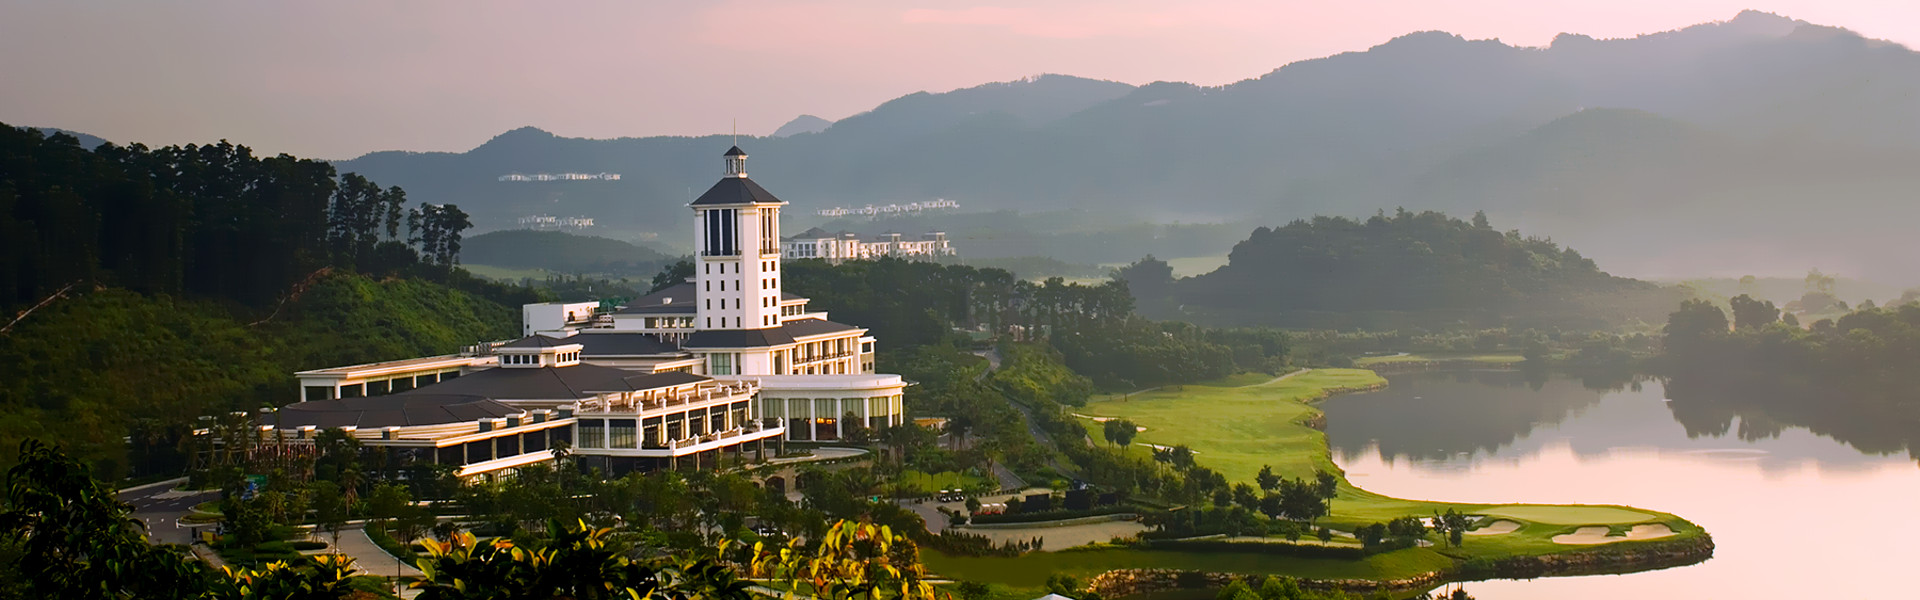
x: 1267, y: 480
x: 672, y: 275
x: 1695, y: 322
x: 1453, y: 524
x: 1749, y: 313
x: 330, y: 509
x: 1371, y: 535
x: 76, y: 540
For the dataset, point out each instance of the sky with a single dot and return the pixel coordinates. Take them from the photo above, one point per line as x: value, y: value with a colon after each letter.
x: 340, y: 78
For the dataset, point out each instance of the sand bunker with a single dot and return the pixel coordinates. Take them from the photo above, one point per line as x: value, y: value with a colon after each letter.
x: 1598, y: 535
x: 1505, y: 526
x: 1105, y: 419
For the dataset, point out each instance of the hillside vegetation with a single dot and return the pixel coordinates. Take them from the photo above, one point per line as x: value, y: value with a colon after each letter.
x: 146, y: 287
x: 92, y: 369
x: 561, y: 252
x: 1402, y: 270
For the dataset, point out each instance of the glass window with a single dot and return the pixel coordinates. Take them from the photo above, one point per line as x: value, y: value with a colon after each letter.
x: 506, y: 445
x: 592, y: 432
x: 318, y: 392
x: 620, y: 433
x: 800, y: 429
x: 353, y: 391
x: 480, y: 451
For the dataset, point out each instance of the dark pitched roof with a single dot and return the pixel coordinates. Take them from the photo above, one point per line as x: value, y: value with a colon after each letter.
x: 621, y: 344
x: 736, y: 190
x: 667, y: 379
x: 538, y: 341
x: 674, y: 299
x: 735, y: 151
x: 738, y: 338
x: 407, y: 409
x: 786, y: 295
x: 807, y: 327
x: 546, y: 383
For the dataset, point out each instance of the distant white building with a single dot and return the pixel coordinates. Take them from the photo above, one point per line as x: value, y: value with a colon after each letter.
x: 553, y: 223
x: 843, y: 246
x: 561, y: 177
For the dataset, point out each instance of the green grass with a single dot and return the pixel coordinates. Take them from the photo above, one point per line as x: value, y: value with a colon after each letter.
x: 1236, y: 431
x: 1495, y: 358
x: 919, y: 483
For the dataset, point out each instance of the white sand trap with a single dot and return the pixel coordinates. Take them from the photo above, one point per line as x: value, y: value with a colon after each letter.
x: 1598, y: 535
x: 1095, y: 419
x: 1503, y: 526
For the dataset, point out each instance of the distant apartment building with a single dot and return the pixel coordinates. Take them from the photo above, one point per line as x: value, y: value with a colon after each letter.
x: 872, y: 210
x: 843, y: 246
x: 561, y: 177
x: 553, y: 223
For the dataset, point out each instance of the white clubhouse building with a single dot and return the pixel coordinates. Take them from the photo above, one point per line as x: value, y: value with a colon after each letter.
x: 714, y: 366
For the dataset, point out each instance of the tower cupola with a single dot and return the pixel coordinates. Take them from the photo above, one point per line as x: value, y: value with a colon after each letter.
x: 736, y: 162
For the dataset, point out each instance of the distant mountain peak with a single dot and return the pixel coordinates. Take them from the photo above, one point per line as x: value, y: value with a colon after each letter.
x: 802, y: 124
x: 526, y: 132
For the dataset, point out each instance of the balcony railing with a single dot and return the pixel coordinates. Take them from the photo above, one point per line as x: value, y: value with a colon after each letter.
x: 651, y: 402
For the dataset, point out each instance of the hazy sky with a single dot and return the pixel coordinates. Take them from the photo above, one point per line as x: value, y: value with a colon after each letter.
x: 338, y: 78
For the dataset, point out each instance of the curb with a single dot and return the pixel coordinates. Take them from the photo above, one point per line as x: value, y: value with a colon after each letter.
x: 140, y: 488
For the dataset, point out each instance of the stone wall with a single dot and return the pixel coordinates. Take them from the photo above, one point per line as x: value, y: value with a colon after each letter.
x: 1625, y: 559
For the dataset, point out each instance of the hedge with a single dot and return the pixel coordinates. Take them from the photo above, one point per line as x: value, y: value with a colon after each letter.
x: 1054, y: 515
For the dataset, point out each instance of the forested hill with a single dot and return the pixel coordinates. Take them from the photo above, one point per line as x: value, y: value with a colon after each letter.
x: 1403, y: 270
x: 561, y: 252
x: 143, y: 287
x: 1713, y: 135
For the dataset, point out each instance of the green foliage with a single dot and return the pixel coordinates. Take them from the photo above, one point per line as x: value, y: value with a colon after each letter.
x: 1411, y: 268
x: 1035, y: 375
x: 576, y: 562
x: 94, y: 368
x: 1851, y: 378
x: 75, y: 540
x: 85, y: 369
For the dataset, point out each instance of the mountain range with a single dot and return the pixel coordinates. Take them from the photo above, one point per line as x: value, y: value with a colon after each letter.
x: 1760, y: 144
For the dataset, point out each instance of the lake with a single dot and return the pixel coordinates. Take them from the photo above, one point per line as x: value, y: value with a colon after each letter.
x: 1793, y: 514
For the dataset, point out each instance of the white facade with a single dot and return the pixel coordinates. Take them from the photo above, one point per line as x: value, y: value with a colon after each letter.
x: 843, y: 246
x: 555, y: 317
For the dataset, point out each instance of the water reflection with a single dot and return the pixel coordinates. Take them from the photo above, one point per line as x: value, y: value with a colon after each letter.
x: 1439, y: 419
x: 1795, y: 514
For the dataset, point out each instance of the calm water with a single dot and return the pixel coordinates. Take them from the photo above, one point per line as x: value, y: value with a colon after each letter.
x: 1794, y: 514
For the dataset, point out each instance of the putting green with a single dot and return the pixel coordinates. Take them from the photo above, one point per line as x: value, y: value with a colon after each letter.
x: 1570, y: 515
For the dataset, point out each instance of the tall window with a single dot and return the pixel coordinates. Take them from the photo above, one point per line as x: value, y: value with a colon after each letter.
x: 722, y: 235
x: 769, y: 232
x: 720, y: 363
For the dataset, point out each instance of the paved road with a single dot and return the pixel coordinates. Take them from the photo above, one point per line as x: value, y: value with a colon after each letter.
x: 161, y: 508
x: 1033, y: 428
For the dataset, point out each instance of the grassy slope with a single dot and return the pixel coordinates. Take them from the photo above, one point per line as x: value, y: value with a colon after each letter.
x: 79, y: 371
x: 1236, y: 430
